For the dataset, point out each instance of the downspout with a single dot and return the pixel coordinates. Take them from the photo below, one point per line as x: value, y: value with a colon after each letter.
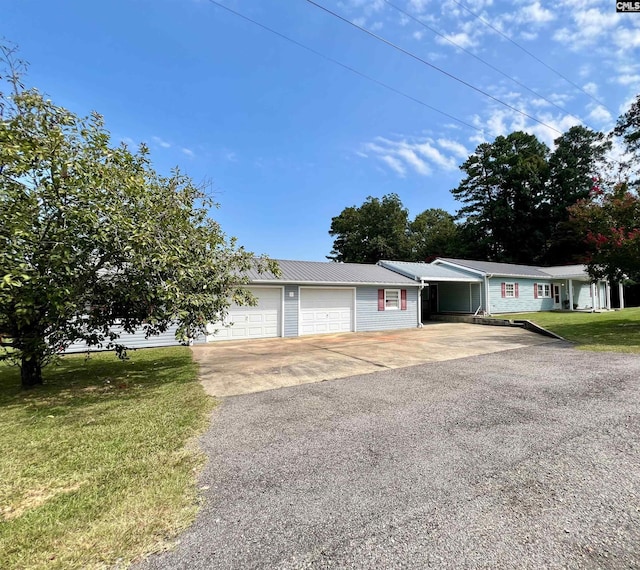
x: 486, y: 293
x: 420, y: 304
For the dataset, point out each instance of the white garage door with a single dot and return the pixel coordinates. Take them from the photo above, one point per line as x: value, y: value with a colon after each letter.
x: 326, y: 310
x: 261, y: 321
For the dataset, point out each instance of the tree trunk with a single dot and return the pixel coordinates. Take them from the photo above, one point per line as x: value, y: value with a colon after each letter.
x: 30, y: 371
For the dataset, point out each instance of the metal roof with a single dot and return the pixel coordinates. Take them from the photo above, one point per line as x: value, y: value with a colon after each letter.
x: 515, y: 270
x: 428, y: 272
x: 331, y: 273
x: 492, y: 268
x: 567, y: 271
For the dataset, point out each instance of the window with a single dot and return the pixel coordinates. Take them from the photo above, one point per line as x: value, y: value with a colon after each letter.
x: 391, y: 299
x: 543, y: 290
x: 509, y: 289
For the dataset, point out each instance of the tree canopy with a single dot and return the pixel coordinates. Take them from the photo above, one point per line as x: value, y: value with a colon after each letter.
x: 375, y: 230
x: 91, y: 236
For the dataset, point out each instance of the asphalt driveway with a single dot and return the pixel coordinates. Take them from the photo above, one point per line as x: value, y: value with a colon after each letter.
x: 230, y: 368
x: 528, y: 458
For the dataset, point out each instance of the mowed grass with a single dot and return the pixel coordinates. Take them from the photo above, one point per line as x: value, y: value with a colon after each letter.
x: 617, y: 331
x: 98, y: 466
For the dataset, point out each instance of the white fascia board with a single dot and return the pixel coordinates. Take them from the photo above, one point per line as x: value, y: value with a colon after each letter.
x: 439, y: 261
x: 333, y: 283
x: 451, y: 279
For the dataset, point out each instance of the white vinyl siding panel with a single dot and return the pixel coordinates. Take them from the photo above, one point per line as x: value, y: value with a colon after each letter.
x: 260, y: 321
x: 369, y: 318
x: 582, y: 295
x: 325, y: 310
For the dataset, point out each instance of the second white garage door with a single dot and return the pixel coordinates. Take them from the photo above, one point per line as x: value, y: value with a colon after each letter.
x: 262, y: 321
x: 326, y: 310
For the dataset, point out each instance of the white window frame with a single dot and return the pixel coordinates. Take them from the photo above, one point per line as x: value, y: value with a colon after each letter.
x: 399, y: 300
x: 513, y: 290
x: 544, y: 290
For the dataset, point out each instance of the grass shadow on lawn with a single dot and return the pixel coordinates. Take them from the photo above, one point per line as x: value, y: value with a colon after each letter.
x: 96, y: 466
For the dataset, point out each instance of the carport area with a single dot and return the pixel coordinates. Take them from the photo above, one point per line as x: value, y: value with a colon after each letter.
x: 241, y: 367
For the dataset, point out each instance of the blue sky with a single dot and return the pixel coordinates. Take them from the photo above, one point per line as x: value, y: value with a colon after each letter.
x: 287, y: 138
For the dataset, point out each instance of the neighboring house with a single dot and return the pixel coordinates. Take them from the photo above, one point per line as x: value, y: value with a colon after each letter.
x: 466, y: 286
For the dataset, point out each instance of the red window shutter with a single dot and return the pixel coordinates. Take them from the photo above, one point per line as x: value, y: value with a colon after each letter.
x: 516, y: 290
x: 535, y: 290
x: 380, y: 299
x: 503, y: 287
x: 403, y: 299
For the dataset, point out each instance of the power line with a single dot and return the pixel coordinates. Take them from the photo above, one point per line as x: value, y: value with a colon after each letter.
x: 506, y: 37
x: 345, y: 66
x: 431, y: 65
x: 468, y: 52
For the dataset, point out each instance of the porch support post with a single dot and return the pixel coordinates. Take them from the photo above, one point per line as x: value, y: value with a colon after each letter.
x: 593, y: 303
x: 420, y: 303
x: 621, y: 294
x: 608, y: 288
x: 571, y: 294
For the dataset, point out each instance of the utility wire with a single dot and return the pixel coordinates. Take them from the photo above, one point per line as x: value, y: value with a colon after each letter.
x: 344, y: 66
x: 468, y: 52
x: 431, y: 65
x: 525, y: 50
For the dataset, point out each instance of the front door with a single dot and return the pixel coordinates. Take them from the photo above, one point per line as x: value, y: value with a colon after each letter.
x: 556, y: 296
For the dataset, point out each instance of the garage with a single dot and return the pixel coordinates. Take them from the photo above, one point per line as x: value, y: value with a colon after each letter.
x: 326, y: 310
x: 261, y: 321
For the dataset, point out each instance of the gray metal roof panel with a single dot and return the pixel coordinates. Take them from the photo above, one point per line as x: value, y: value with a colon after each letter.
x: 493, y: 268
x: 428, y: 272
x: 329, y: 272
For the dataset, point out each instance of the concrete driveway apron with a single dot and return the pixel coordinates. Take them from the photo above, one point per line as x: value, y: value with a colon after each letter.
x: 229, y: 368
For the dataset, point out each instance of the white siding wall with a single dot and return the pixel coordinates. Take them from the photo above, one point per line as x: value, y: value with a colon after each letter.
x: 368, y: 318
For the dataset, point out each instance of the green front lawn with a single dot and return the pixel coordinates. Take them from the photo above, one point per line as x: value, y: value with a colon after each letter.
x: 617, y: 331
x: 98, y: 466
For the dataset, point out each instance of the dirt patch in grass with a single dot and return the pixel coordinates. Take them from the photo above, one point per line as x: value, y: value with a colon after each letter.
x: 99, y: 466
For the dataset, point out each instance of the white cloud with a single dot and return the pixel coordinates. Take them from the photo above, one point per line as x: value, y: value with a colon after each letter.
x: 600, y: 115
x: 534, y: 14
x: 160, y: 142
x: 419, y: 155
x: 394, y: 164
x: 591, y: 88
x: 628, y: 79
x: 454, y: 146
x: 188, y: 152
x: 461, y: 39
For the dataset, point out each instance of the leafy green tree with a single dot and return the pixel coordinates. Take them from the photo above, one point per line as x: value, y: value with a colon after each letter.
x: 578, y: 158
x: 628, y: 128
x: 610, y: 220
x: 371, y: 232
x: 91, y: 235
x: 502, y: 196
x: 434, y: 233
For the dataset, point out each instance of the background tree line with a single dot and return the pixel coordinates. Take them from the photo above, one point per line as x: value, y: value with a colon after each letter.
x: 521, y: 202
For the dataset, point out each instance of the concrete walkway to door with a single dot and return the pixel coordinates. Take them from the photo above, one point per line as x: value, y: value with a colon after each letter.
x: 229, y: 368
